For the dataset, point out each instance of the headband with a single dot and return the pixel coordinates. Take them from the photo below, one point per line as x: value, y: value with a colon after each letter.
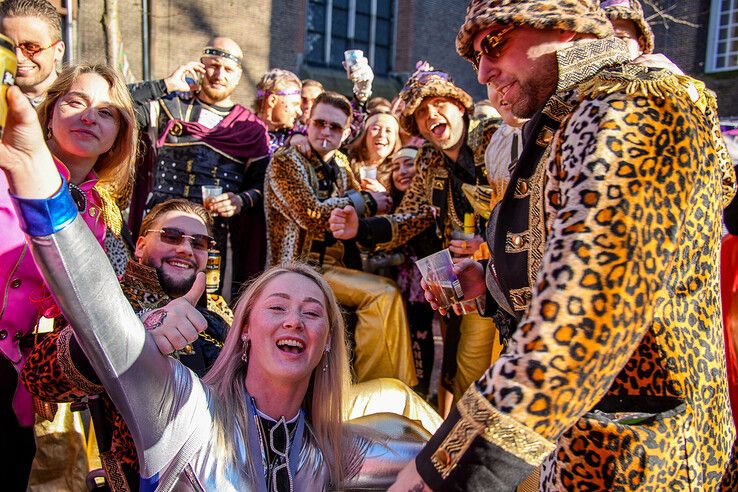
x: 405, y: 152
x: 283, y: 92
x: 210, y: 51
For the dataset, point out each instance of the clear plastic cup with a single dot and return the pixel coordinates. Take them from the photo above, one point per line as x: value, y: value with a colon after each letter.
x: 209, y: 192
x: 368, y: 172
x: 438, y: 272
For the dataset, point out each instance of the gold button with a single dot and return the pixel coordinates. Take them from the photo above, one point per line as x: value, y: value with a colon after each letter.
x: 443, y: 457
x: 16, y: 283
x: 93, y: 211
x: 523, y: 187
x: 517, y: 241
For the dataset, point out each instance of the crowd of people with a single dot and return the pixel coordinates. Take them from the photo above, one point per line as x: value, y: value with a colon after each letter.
x: 231, y: 291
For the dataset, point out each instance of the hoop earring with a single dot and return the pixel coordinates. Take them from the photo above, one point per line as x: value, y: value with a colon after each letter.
x: 245, y: 354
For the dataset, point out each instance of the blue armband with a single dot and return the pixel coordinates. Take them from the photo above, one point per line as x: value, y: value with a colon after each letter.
x: 43, y: 217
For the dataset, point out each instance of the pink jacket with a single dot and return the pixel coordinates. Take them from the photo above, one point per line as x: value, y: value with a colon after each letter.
x: 24, y: 296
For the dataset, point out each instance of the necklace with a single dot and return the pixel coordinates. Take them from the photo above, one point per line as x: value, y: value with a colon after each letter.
x: 275, y: 462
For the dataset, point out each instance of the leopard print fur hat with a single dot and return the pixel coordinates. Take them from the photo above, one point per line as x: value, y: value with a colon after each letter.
x: 582, y: 16
x: 630, y: 10
x: 428, y: 82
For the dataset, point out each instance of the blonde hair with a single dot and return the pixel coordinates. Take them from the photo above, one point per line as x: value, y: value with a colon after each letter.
x: 116, y: 167
x: 323, y: 401
x: 274, y: 80
x: 176, y: 205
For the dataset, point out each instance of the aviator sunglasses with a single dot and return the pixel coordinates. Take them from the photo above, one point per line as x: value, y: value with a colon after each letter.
x: 491, y: 45
x: 174, y: 236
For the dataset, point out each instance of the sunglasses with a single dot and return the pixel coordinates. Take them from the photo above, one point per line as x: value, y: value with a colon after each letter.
x: 491, y: 45
x: 174, y: 236
x: 334, y: 127
x: 30, y: 49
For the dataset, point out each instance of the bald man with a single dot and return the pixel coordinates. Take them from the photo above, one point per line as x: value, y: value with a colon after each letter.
x: 202, y: 138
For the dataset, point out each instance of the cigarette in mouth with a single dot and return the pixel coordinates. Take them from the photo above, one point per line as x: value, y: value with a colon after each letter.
x: 325, y: 144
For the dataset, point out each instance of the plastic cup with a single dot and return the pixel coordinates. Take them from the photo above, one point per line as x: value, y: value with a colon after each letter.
x: 368, y: 172
x: 351, y: 57
x: 209, y: 192
x: 438, y: 272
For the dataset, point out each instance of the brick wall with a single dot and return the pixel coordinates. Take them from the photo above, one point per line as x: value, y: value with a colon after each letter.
x: 687, y: 47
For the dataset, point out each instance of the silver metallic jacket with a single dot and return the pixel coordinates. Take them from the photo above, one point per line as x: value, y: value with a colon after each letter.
x: 166, y: 406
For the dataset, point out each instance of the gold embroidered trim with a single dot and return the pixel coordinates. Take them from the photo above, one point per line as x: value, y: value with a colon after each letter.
x: 522, y: 188
x: 545, y: 136
x: 587, y: 57
x: 480, y: 418
x: 516, y: 242
x: 113, y: 472
x: 68, y: 367
x: 557, y: 109
x: 110, y: 211
x: 521, y: 298
x: 219, y: 305
x: 634, y: 80
x: 536, y: 219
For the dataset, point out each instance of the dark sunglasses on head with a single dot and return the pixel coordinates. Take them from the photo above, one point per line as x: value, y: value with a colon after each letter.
x: 174, y: 236
x: 30, y: 49
x: 491, y: 45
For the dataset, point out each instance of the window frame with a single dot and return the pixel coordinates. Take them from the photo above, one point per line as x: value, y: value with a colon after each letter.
x: 713, y: 34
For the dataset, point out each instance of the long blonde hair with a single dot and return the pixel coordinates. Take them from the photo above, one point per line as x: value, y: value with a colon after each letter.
x: 323, y: 401
x: 116, y: 167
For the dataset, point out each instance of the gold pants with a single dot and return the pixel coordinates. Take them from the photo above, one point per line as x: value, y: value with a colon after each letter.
x: 479, y: 347
x: 390, y: 395
x: 382, y: 337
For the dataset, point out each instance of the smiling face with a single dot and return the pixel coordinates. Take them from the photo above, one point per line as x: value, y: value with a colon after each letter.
x: 382, y: 132
x: 85, y: 121
x: 403, y: 171
x: 220, y: 79
x: 176, y: 265
x: 440, y: 120
x: 526, y: 72
x: 288, y: 332
x: 37, y: 69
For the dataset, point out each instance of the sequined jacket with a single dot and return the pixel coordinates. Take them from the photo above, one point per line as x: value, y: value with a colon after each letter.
x: 426, y: 203
x: 605, y: 248
x: 296, y: 214
x: 167, y: 407
x: 57, y: 371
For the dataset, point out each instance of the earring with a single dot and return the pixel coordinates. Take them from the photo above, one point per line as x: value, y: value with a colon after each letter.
x: 325, y: 356
x: 49, y: 135
x: 245, y: 354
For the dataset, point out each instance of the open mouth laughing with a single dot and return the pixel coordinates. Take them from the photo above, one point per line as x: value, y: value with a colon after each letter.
x: 291, y: 345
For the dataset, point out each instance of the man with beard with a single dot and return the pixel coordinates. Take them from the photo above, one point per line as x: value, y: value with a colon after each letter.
x: 171, y: 249
x: 205, y: 138
x: 451, y: 160
x: 604, y: 253
x: 35, y: 28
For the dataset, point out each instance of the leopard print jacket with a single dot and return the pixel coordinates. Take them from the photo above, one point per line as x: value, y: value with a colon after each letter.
x: 615, y: 377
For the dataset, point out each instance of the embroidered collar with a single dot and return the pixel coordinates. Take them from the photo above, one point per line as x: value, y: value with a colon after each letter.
x: 142, y: 278
x: 585, y: 58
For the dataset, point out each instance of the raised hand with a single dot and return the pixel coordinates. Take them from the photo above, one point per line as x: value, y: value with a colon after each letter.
x: 226, y: 204
x: 178, y: 324
x: 24, y: 156
x: 177, y: 80
x: 344, y: 222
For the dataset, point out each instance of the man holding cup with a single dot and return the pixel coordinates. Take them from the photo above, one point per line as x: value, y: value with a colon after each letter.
x: 452, y: 159
x: 604, y: 251
x: 203, y: 138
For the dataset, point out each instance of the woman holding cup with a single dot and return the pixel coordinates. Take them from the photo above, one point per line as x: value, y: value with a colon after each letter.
x: 370, y: 152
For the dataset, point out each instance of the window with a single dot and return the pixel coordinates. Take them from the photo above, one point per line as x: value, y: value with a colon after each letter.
x: 722, y: 44
x: 334, y: 26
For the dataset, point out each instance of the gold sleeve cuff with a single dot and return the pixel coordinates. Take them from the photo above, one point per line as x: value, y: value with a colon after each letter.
x: 76, y: 379
x: 480, y: 418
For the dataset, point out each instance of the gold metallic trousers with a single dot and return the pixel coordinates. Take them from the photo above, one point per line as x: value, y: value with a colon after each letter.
x: 387, y: 395
x: 479, y: 347
x: 382, y: 336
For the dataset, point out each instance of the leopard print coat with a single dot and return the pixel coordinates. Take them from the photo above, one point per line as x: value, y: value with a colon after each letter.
x: 615, y: 376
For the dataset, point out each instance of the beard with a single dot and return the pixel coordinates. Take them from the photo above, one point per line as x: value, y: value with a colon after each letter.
x: 174, y: 287
x: 536, y: 91
x: 216, y: 94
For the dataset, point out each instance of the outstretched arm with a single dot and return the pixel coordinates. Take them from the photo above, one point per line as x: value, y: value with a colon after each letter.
x: 145, y: 386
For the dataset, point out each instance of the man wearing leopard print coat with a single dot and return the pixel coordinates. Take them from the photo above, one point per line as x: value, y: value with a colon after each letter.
x: 605, y: 249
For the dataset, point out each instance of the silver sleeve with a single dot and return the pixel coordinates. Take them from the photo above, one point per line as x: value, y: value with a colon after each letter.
x: 157, y: 396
